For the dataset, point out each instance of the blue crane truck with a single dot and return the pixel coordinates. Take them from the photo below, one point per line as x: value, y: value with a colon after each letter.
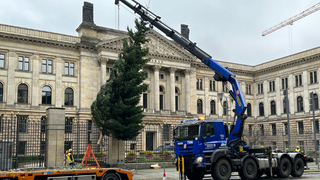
x: 206, y: 146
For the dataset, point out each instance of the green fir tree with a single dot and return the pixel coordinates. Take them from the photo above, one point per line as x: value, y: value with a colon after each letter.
x: 116, y: 109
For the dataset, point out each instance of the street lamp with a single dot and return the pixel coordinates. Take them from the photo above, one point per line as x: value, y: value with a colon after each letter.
x: 221, y: 96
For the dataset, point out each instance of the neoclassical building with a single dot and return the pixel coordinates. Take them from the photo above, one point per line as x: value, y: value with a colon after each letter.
x: 40, y: 69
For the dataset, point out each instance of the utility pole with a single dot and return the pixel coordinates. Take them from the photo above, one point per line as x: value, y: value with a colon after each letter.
x: 314, y: 125
x: 285, y: 93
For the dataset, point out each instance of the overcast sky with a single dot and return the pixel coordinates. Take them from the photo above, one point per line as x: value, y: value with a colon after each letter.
x: 228, y: 30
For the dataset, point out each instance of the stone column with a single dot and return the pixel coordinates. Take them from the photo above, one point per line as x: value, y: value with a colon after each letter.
x: 306, y: 95
x: 255, y: 104
x: 35, y: 81
x: 265, y: 99
x: 290, y: 94
x: 278, y: 96
x: 156, y: 88
x: 206, y: 104
x: 116, y: 152
x: 55, y: 129
x: 103, y: 65
x: 11, y: 90
x: 187, y: 90
x: 59, y: 90
x: 172, y: 90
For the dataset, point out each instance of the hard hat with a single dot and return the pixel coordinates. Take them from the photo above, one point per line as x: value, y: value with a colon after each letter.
x: 262, y: 146
x: 298, y: 147
x: 287, y: 148
x: 70, y: 150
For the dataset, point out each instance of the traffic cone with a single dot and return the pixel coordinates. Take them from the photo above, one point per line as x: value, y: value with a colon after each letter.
x: 164, y: 176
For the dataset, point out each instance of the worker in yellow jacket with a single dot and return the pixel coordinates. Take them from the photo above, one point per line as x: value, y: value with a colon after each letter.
x: 69, y: 158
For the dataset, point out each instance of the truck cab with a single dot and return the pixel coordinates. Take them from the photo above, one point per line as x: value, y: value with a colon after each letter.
x: 196, y: 139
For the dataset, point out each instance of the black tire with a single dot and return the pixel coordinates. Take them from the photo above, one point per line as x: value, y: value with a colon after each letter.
x: 111, y: 176
x: 297, y: 167
x: 221, y: 170
x: 249, y: 170
x: 284, y: 168
x: 194, y: 176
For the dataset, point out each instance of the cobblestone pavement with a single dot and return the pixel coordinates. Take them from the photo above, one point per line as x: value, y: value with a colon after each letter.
x: 172, y: 174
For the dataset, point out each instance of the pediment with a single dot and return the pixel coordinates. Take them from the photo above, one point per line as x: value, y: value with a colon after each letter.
x: 159, y: 47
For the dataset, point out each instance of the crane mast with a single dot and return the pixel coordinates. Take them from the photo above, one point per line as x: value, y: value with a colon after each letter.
x: 290, y: 21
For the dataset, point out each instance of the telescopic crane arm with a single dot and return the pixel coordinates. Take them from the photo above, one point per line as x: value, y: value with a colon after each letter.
x: 221, y: 73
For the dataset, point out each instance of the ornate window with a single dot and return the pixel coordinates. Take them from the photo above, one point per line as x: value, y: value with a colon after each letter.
x: 22, y: 93
x: 316, y: 101
x: 1, y: 92
x: 299, y: 104
x: 249, y: 110
x: 212, y: 107
x: 68, y: 95
x: 46, y: 95
x: 199, y: 106
x: 273, y: 107
x: 177, y: 98
x: 161, y: 97
x: 145, y: 100
x: 261, y: 109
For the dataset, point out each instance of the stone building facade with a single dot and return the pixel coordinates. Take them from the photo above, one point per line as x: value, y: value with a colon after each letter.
x: 39, y: 70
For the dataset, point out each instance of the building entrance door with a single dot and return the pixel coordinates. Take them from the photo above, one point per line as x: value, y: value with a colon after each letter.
x: 149, y: 141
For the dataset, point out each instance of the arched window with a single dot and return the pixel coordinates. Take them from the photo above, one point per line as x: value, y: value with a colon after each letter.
x: 316, y: 102
x: 212, y: 107
x: 273, y: 107
x: 46, y: 95
x: 199, y: 106
x: 249, y: 113
x: 161, y: 97
x: 285, y: 106
x: 177, y: 98
x: 22, y: 93
x: 299, y: 104
x: 68, y: 97
x: 224, y: 107
x: 1, y: 92
x: 261, y: 109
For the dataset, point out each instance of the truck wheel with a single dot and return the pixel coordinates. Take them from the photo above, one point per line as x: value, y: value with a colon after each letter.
x: 249, y: 170
x: 297, y: 168
x: 284, y: 169
x: 194, y: 176
x: 111, y: 176
x: 221, y: 170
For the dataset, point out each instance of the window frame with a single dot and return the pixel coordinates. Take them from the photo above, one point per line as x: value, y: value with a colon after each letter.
x: 69, y: 68
x: 1, y: 92
x: 2, y: 61
x: 23, y: 99
x: 67, y: 101
x: 199, y: 106
x: 273, y: 108
x: 299, y: 104
x: 24, y: 62
x: 46, y: 95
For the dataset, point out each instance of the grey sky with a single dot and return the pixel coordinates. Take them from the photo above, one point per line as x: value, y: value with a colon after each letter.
x: 228, y: 30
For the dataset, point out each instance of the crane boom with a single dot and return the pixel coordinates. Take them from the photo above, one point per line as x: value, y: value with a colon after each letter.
x: 289, y: 21
x: 221, y: 73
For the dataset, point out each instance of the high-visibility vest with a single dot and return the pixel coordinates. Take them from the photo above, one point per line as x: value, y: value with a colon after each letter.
x: 69, y: 158
x: 297, y: 150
